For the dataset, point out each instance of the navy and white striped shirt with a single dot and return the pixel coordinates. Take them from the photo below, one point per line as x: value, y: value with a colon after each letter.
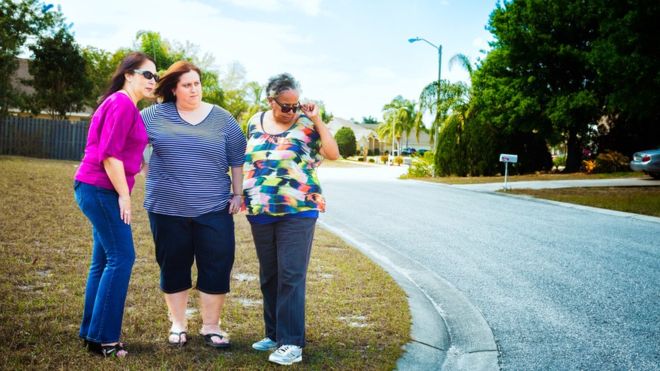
x: 188, y: 169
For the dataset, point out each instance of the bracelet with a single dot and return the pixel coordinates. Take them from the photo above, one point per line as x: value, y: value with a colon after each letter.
x: 236, y: 194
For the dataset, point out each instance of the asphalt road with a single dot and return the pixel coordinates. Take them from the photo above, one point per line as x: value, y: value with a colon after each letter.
x: 561, y: 288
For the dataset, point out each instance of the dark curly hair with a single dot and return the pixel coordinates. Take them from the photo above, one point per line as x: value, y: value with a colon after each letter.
x: 280, y: 83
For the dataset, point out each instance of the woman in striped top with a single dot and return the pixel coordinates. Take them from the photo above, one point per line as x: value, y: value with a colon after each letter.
x: 189, y: 198
x: 283, y: 199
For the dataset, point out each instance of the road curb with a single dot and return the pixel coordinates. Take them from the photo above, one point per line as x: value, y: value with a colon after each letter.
x: 448, y: 331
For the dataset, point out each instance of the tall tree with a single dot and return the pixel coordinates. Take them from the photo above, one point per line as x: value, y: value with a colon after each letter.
x: 98, y: 69
x: 438, y: 98
x: 161, y: 50
x: 19, y: 20
x: 369, y: 120
x: 58, y: 71
x: 626, y: 57
x: 546, y: 45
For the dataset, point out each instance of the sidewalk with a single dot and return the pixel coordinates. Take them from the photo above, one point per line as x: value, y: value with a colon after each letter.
x: 542, y: 184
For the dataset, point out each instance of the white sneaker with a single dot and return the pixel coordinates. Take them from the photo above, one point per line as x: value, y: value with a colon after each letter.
x: 265, y: 344
x: 286, y: 355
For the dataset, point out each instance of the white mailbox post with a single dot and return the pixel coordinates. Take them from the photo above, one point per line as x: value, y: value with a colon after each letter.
x: 506, y: 158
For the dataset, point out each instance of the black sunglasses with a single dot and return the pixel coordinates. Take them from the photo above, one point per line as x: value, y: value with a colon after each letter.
x: 288, y: 107
x: 147, y: 75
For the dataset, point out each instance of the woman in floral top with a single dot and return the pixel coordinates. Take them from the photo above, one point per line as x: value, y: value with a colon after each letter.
x: 283, y: 199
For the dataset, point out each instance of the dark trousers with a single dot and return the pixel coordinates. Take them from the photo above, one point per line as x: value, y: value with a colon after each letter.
x: 208, y: 240
x: 283, y: 249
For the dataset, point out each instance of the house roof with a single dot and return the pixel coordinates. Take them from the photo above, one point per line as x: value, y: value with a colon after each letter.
x: 360, y: 131
x: 22, y: 73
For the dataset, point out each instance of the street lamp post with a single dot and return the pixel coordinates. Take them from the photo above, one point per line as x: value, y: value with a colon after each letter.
x: 439, y: 49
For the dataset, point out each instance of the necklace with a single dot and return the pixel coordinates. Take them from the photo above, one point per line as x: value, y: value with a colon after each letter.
x: 129, y: 95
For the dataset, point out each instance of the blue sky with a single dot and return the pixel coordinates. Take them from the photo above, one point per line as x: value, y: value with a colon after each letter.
x: 353, y: 55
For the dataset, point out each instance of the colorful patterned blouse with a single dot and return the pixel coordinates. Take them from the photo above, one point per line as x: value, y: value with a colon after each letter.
x: 280, y: 170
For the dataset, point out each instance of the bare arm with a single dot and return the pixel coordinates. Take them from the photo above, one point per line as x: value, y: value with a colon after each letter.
x: 115, y: 170
x: 237, y: 187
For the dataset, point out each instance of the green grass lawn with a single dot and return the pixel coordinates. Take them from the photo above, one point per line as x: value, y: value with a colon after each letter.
x: 357, y: 317
x: 639, y: 200
x: 527, y: 177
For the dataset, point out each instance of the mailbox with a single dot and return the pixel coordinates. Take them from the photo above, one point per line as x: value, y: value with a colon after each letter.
x: 508, y: 158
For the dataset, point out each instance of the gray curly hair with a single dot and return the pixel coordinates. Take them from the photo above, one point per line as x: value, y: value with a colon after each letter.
x: 280, y: 83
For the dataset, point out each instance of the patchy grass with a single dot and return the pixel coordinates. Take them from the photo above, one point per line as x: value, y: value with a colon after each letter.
x: 357, y: 317
x: 527, y: 177
x: 638, y: 200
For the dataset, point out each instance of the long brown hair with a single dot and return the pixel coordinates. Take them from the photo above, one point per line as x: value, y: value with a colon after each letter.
x: 131, y: 61
x: 171, y: 77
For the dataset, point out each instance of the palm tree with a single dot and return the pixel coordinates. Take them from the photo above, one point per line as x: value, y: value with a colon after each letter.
x: 463, y: 61
x: 401, y: 118
x: 442, y: 98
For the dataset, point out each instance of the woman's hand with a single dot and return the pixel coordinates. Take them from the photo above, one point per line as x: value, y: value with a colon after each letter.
x: 125, y: 209
x: 312, y: 111
x: 235, y: 204
x: 329, y: 147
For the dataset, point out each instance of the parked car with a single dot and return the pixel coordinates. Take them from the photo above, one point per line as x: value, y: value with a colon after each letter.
x: 408, y: 151
x: 648, y: 162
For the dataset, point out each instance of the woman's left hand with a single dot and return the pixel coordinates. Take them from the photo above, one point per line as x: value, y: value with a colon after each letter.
x: 235, y: 204
x: 311, y: 110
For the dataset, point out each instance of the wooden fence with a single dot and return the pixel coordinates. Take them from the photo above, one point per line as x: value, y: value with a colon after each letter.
x: 55, y: 139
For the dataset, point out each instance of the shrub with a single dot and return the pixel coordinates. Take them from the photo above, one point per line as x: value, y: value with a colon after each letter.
x: 609, y: 162
x: 360, y: 158
x: 422, y: 166
x: 383, y: 158
x: 559, y: 161
x: 398, y: 160
x: 372, y: 160
x: 346, y: 142
x: 588, y: 166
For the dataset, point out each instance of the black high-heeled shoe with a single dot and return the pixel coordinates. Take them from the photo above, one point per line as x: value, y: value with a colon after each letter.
x: 107, y: 350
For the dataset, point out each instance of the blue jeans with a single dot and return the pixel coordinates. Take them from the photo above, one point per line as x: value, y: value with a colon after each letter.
x: 112, y: 261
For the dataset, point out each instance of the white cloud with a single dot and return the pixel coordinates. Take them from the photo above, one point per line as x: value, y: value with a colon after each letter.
x: 378, y: 72
x: 261, y: 5
x: 309, y: 7
x: 480, y: 43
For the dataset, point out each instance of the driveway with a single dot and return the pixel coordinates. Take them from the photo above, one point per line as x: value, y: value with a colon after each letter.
x: 504, y: 282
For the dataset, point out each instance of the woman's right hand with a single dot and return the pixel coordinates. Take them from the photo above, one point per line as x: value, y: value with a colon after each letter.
x: 125, y: 208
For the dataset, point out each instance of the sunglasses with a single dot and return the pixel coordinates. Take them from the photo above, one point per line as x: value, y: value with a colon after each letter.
x: 147, y: 74
x: 288, y: 107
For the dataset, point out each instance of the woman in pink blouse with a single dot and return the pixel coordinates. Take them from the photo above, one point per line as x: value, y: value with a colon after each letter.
x: 103, y: 183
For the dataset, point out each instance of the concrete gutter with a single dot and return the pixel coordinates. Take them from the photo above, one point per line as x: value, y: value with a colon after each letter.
x: 448, y: 332
x: 543, y: 184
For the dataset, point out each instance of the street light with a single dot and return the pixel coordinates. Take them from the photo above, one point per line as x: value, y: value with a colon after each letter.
x: 439, y: 49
